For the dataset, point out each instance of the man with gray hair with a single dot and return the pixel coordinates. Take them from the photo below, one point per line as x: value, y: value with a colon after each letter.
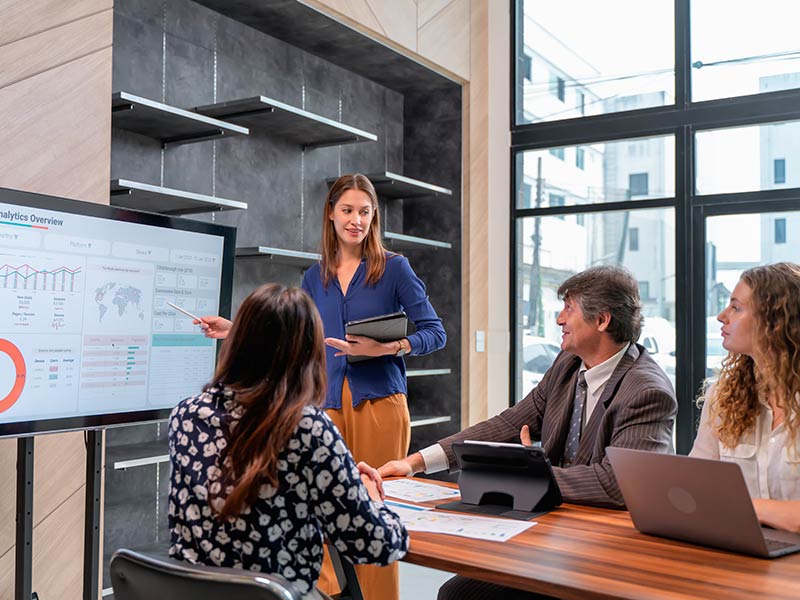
x: 602, y: 390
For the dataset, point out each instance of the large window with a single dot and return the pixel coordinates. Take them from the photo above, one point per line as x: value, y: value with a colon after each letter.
x: 738, y: 159
x: 734, y: 253
x: 741, y: 47
x: 552, y: 248
x: 600, y: 172
x: 587, y: 63
x: 678, y: 160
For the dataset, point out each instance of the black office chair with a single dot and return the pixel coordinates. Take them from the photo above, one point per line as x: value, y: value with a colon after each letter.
x: 136, y: 576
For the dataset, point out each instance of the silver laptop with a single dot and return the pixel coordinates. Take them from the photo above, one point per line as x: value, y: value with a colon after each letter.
x: 695, y: 500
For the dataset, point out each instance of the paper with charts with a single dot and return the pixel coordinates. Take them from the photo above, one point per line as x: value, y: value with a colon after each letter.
x: 418, y: 491
x: 420, y: 518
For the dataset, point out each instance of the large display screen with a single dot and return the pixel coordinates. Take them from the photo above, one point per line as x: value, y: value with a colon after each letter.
x: 87, y: 338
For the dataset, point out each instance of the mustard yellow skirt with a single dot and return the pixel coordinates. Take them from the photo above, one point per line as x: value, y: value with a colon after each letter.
x: 376, y: 431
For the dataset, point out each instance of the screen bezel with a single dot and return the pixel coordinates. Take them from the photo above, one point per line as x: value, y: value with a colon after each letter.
x: 113, y: 213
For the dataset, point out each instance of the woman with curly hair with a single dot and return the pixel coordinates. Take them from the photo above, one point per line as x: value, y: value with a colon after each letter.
x: 751, y: 414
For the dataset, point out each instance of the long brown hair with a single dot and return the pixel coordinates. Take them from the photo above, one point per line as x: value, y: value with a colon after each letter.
x: 274, y: 360
x: 371, y: 248
x: 775, y: 302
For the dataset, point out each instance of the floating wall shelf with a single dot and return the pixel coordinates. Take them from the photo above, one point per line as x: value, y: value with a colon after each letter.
x: 136, y: 455
x: 166, y: 201
x: 427, y: 372
x: 410, y: 242
x: 282, y: 120
x: 168, y: 124
x: 392, y: 185
x: 421, y: 420
x: 279, y: 255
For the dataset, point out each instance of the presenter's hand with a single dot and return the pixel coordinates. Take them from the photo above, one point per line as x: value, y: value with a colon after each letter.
x: 214, y: 327
x: 372, y: 481
x: 360, y: 345
x: 405, y: 467
x: 525, y: 436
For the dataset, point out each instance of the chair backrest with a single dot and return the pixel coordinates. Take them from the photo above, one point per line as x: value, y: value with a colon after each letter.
x: 136, y: 576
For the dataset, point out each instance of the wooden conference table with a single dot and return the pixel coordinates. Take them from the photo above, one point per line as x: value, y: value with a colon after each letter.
x: 583, y: 552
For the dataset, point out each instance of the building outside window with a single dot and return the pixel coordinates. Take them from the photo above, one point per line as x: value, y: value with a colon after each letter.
x: 579, y: 156
x: 637, y: 184
x: 633, y: 239
x: 779, y: 170
x: 780, y: 231
x: 526, y: 67
x: 558, y: 87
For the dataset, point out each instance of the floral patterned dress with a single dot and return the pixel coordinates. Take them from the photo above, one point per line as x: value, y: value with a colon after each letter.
x: 319, y: 493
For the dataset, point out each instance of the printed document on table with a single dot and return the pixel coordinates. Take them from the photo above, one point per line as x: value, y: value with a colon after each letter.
x: 481, y: 528
x: 417, y: 491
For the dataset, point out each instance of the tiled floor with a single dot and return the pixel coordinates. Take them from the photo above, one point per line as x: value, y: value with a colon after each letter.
x: 419, y: 583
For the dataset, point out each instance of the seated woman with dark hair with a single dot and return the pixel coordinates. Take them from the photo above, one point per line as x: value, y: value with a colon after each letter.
x: 259, y: 472
x: 751, y: 413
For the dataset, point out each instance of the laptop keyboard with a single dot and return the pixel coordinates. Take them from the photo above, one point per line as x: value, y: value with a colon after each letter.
x: 774, y: 545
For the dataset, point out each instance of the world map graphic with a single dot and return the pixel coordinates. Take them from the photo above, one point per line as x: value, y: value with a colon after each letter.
x: 126, y: 299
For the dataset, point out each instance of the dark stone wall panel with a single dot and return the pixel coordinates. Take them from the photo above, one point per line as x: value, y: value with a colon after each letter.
x: 212, y: 58
x: 190, y: 22
x: 253, y: 272
x: 188, y: 167
x: 135, y: 157
x: 236, y: 80
x: 149, y: 12
x: 137, y: 56
x: 432, y: 152
x: 189, y: 78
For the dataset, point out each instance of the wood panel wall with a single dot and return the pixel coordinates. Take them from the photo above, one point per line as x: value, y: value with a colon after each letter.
x: 55, y: 90
x: 435, y: 31
x: 469, y: 41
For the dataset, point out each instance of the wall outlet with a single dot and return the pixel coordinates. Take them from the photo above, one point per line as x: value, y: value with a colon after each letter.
x: 480, y: 341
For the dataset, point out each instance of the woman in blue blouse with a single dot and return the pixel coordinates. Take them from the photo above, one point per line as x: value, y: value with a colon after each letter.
x: 358, y: 278
x: 259, y: 472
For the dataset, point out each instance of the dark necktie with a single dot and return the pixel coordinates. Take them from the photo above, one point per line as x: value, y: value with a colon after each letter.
x: 574, y: 434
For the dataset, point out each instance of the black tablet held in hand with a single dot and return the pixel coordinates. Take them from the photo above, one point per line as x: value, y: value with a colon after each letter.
x: 506, y: 480
x: 383, y: 328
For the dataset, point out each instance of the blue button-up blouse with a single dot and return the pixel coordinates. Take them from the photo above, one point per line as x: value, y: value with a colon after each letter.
x: 398, y: 289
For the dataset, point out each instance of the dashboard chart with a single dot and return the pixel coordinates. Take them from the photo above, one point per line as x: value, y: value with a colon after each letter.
x: 84, y: 324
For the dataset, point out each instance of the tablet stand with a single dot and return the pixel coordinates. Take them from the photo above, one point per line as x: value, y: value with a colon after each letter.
x: 518, y: 489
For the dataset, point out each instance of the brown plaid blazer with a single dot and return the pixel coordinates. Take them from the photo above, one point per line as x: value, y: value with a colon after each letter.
x: 637, y: 410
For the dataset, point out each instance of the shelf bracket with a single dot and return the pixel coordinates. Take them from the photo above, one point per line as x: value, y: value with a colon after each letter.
x: 246, y: 113
x: 121, y: 107
x: 196, y: 137
x: 337, y: 142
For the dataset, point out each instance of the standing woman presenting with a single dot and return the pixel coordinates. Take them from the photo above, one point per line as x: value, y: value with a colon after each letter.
x: 358, y: 278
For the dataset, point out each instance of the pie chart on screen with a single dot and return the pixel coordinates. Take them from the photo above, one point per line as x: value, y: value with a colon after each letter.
x: 11, y: 384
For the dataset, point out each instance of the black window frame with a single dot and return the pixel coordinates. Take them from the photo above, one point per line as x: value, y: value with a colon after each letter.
x: 682, y: 119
